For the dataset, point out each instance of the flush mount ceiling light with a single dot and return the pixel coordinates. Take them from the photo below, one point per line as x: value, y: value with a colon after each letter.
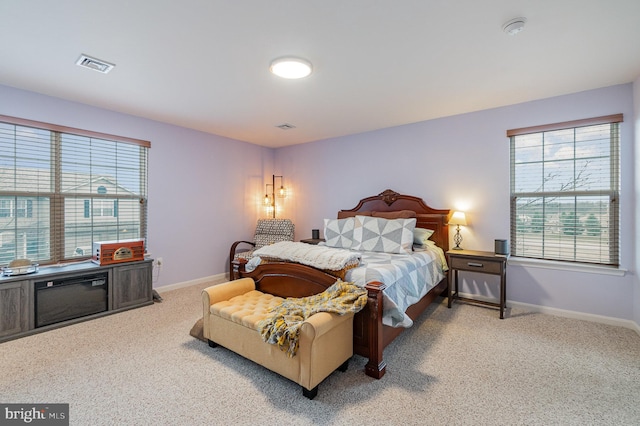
x: 94, y: 64
x: 291, y: 68
x: 514, y: 26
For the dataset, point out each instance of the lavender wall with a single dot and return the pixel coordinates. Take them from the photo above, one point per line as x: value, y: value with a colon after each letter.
x: 203, y: 189
x: 462, y: 162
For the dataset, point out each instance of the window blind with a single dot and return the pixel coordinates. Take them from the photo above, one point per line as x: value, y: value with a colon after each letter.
x: 61, y: 189
x: 565, y: 191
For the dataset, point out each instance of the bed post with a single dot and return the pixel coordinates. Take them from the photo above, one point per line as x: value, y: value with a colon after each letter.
x: 237, y: 268
x: 376, y: 366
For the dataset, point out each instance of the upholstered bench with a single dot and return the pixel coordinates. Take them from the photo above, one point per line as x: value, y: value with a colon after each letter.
x: 231, y: 312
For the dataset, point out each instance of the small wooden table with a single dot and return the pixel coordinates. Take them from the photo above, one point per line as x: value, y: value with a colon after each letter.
x: 484, y: 262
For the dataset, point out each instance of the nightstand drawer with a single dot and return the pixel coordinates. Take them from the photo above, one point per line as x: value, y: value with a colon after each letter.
x: 477, y: 265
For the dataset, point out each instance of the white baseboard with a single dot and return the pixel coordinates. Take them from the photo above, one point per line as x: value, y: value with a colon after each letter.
x: 563, y: 313
x: 197, y: 281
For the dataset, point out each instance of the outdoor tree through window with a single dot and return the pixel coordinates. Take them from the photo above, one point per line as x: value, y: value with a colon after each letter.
x: 565, y: 191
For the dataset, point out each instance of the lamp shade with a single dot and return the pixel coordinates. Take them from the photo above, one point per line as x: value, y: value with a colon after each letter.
x: 458, y: 218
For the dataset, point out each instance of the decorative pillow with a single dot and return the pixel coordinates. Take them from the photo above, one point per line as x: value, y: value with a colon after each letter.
x: 421, y: 236
x: 339, y: 232
x: 383, y: 235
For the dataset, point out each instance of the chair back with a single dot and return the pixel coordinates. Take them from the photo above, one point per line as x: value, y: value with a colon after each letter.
x: 269, y: 231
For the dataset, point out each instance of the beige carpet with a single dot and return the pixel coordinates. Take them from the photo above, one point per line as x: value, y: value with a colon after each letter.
x: 459, y: 366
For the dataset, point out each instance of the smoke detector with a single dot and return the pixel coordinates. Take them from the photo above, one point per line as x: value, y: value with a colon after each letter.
x: 94, y: 64
x: 514, y: 26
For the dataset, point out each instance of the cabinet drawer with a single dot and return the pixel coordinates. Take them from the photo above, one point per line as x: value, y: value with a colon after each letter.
x: 478, y: 265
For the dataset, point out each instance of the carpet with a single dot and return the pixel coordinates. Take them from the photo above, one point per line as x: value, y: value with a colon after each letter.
x: 455, y: 367
x: 196, y: 330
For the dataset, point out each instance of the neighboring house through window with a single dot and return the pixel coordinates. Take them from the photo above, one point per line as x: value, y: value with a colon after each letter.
x: 62, y: 189
x: 16, y: 207
x: 565, y: 187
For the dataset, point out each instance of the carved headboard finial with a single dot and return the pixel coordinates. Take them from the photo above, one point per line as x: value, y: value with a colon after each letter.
x: 389, y: 196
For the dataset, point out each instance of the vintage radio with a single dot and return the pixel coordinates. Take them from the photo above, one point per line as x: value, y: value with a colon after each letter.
x: 112, y: 252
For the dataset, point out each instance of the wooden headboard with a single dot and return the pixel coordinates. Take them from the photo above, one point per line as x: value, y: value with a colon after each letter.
x: 391, y: 201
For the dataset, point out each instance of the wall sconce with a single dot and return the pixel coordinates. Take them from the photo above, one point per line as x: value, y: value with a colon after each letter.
x: 458, y: 218
x: 270, y: 197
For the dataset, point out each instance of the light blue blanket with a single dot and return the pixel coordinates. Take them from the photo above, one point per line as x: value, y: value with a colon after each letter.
x: 408, y: 277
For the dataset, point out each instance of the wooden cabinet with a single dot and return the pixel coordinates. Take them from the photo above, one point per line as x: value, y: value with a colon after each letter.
x: 14, y: 308
x: 130, y: 286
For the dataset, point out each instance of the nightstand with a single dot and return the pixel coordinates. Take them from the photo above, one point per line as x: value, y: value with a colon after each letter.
x: 314, y: 241
x: 484, y: 262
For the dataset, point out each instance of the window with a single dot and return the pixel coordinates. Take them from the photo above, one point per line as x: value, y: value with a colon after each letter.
x: 100, y: 208
x: 565, y: 191
x: 13, y: 207
x: 62, y: 189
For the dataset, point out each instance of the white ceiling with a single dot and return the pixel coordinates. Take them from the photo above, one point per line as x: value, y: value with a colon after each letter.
x: 203, y: 64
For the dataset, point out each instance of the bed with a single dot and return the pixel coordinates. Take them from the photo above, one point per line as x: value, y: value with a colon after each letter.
x: 370, y: 335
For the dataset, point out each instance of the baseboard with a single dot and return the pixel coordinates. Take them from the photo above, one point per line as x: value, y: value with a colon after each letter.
x: 619, y: 322
x: 183, y: 284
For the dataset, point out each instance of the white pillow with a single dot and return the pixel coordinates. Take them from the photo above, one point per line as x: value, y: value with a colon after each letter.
x: 339, y: 232
x: 421, y: 236
x: 383, y: 235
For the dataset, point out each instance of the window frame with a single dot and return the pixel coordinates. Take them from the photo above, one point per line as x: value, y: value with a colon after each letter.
x: 613, y: 192
x: 56, y: 196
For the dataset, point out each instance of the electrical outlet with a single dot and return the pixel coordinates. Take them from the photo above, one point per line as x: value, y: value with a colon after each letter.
x: 159, y: 262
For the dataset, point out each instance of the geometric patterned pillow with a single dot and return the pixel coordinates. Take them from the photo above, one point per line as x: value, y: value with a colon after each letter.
x: 339, y: 232
x: 421, y: 236
x: 383, y: 235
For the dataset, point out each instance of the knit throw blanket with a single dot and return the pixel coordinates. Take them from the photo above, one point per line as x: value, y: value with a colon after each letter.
x: 282, y: 328
x: 321, y: 257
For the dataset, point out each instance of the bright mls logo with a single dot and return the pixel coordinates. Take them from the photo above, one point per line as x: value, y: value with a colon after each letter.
x: 37, y: 414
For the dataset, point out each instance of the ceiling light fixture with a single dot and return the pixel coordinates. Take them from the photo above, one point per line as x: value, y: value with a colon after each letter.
x: 514, y: 26
x: 291, y: 68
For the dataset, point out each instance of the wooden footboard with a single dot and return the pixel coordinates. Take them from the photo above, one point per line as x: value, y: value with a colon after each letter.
x: 370, y: 336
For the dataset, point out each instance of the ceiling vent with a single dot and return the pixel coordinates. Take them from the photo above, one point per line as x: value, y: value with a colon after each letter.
x: 94, y: 64
x: 286, y: 126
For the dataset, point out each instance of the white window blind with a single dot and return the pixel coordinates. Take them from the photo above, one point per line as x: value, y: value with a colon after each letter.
x: 565, y: 191
x: 61, y: 189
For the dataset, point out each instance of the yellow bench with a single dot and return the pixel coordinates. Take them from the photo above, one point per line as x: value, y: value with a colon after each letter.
x: 231, y: 312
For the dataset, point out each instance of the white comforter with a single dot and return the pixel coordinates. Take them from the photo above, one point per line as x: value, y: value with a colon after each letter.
x: 320, y: 257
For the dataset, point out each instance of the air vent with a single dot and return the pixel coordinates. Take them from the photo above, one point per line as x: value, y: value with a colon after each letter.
x: 286, y: 126
x: 94, y: 64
